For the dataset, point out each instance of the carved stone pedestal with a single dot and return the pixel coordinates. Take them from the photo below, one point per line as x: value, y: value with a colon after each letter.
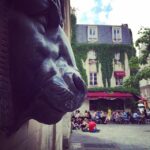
x: 34, y: 136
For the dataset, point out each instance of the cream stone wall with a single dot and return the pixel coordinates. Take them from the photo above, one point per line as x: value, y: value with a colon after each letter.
x: 145, y: 90
x: 99, y: 77
x: 120, y: 67
x: 33, y: 136
x: 66, y: 130
x: 127, y: 68
x: 90, y: 55
x: 145, y: 84
x: 66, y: 121
x: 113, y: 80
x: 85, y: 106
x: 93, y: 68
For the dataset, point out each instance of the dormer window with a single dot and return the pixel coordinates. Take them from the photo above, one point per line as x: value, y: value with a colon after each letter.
x: 92, y: 34
x: 116, y: 34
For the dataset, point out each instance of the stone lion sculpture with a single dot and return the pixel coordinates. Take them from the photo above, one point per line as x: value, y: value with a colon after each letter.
x: 45, y: 81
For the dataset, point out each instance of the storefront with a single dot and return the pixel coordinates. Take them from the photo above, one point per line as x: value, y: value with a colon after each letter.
x: 101, y: 100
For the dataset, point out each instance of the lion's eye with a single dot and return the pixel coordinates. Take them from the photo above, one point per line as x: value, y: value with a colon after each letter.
x: 43, y: 21
x: 62, y: 65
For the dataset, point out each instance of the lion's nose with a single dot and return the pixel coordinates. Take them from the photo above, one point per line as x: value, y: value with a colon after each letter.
x: 77, y: 86
x: 79, y: 83
x: 75, y: 82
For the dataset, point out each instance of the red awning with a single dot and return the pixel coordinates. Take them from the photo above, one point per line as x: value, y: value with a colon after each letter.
x: 105, y: 95
x: 119, y: 73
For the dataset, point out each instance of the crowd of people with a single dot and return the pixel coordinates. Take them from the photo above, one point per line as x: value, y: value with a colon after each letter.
x: 88, y: 120
x: 83, y: 122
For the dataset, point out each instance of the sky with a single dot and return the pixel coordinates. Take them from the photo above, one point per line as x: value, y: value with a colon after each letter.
x: 135, y: 13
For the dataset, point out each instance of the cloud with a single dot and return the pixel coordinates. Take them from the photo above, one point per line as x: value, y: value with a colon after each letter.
x: 135, y: 13
x: 103, y: 17
x: 84, y: 10
x: 105, y: 3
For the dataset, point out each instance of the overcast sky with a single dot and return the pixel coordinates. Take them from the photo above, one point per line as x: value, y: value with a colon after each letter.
x: 135, y: 13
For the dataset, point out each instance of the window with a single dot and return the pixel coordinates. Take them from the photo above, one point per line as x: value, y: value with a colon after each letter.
x: 119, y: 80
x: 92, y: 61
x: 116, y: 34
x: 117, y: 58
x: 92, y: 33
x: 93, y: 78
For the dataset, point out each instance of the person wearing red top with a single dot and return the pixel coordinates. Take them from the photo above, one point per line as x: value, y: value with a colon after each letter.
x: 92, y: 126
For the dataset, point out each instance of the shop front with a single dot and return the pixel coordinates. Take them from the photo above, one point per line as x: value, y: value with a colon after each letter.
x: 102, y: 100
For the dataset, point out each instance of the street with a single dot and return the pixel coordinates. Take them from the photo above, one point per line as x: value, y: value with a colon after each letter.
x: 113, y: 137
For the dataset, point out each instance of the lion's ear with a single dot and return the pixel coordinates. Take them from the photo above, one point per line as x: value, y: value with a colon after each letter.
x: 30, y: 7
x: 52, y: 9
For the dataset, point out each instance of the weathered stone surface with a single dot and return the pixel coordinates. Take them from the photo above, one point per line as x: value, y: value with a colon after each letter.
x: 34, y: 136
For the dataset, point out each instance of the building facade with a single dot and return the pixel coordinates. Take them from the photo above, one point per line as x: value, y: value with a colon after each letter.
x: 119, y: 35
x: 104, y: 34
x: 145, y: 84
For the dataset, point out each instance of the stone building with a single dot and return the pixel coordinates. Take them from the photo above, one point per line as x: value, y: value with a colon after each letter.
x: 106, y: 35
x: 145, y: 84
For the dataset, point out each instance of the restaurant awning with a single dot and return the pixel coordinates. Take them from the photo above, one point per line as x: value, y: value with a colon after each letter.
x: 103, y: 95
x: 106, y: 95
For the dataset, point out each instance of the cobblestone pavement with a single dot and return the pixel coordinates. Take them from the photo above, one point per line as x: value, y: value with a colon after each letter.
x: 113, y: 137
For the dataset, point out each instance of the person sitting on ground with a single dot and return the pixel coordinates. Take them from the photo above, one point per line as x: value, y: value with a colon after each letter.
x: 142, y: 119
x: 86, y: 114
x: 79, y: 122
x: 89, y: 116
x: 136, y: 117
x: 108, y: 116
x: 84, y: 125
x: 92, y: 126
x: 77, y: 114
x: 97, y: 117
x: 74, y: 124
x: 103, y: 117
x: 118, y: 117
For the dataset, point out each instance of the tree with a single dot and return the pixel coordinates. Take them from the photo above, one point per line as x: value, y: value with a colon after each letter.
x: 134, y: 65
x: 144, y: 40
x: 131, y: 82
x: 143, y: 74
x: 136, y: 74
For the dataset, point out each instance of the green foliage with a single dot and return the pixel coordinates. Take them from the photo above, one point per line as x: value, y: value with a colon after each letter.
x: 143, y: 74
x: 145, y: 37
x: 145, y: 40
x: 73, y: 28
x: 134, y: 65
x: 105, y: 55
x: 143, y: 58
x: 79, y: 58
x: 115, y: 89
x: 131, y: 82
